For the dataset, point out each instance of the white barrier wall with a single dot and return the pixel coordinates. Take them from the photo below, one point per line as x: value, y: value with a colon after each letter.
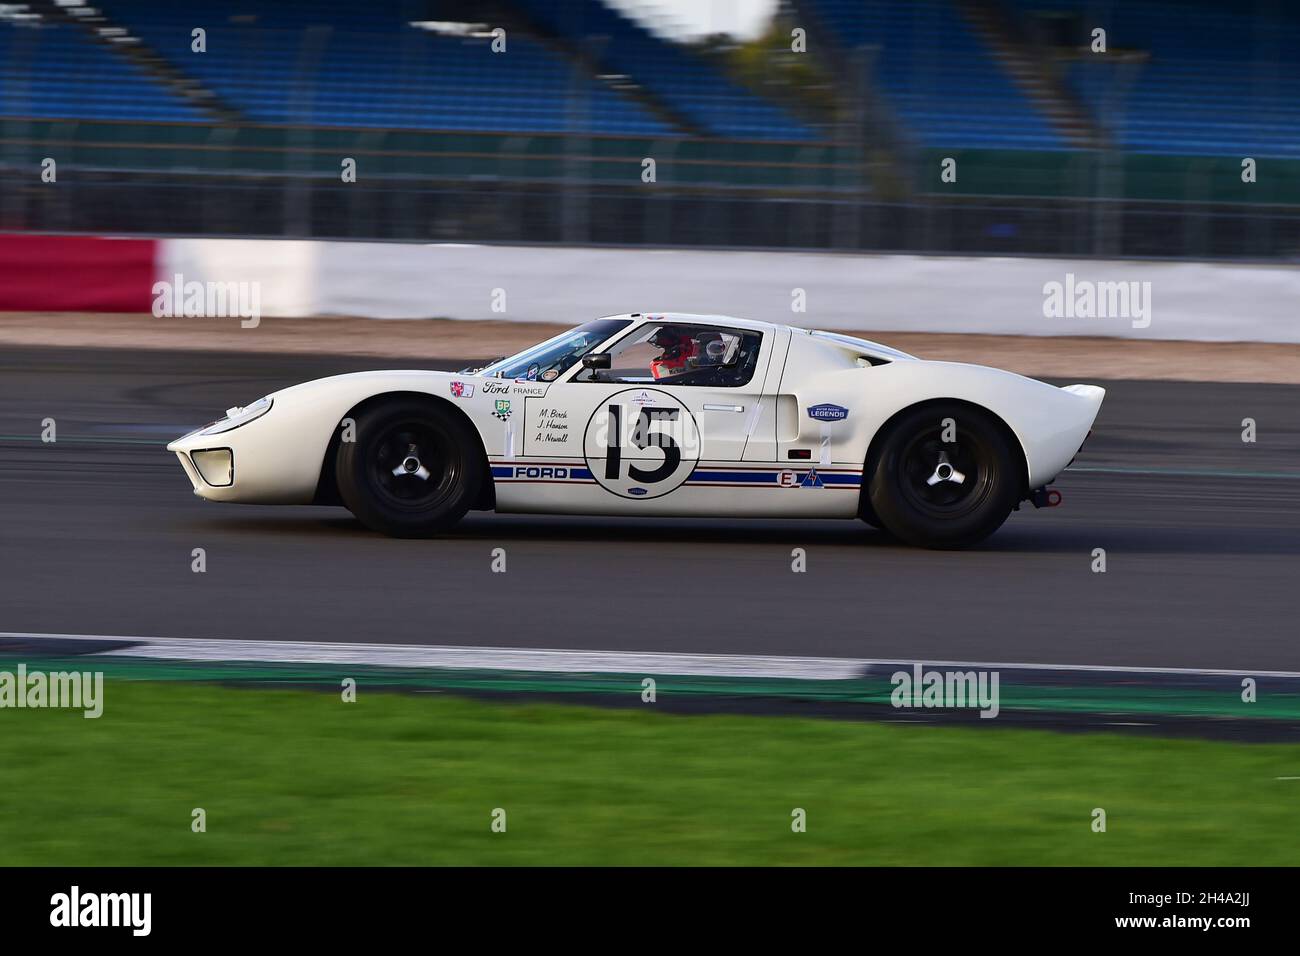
x: 1157, y: 300
x: 285, y: 270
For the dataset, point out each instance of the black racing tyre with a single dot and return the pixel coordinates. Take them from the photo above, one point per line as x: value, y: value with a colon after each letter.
x: 414, y: 469
x: 867, y: 513
x: 937, y: 494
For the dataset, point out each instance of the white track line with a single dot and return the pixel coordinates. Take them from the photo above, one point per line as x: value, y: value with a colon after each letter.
x: 572, y: 661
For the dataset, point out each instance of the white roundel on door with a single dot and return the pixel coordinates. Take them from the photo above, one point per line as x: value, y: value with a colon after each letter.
x: 641, y: 443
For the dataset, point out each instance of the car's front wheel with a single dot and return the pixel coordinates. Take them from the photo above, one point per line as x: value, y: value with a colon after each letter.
x: 944, y: 476
x: 413, y: 470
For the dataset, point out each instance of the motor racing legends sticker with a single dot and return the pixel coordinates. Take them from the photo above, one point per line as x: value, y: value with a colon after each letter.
x: 462, y: 390
x: 641, y: 443
x: 828, y: 413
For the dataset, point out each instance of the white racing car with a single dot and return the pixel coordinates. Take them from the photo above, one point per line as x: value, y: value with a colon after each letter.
x: 662, y: 415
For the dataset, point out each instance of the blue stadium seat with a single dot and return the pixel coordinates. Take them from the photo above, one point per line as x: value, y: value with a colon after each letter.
x: 1217, y: 80
x: 57, y: 70
x: 686, y: 83
x: 346, y: 64
x: 943, y: 83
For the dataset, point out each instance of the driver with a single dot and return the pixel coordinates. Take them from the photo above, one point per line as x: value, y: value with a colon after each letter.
x: 680, y: 353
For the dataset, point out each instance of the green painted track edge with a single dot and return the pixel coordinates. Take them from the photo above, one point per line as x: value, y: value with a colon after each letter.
x: 1224, y: 701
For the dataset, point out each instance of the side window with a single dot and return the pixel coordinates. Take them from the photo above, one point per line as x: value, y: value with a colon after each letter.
x: 668, y: 354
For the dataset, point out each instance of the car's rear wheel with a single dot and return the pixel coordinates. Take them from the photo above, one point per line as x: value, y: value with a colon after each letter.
x: 944, y: 476
x: 413, y: 470
x: 867, y: 513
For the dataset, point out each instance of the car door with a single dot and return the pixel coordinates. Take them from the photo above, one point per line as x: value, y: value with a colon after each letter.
x: 643, y: 428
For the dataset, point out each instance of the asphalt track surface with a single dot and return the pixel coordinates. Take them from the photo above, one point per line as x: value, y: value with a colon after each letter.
x: 1201, y: 533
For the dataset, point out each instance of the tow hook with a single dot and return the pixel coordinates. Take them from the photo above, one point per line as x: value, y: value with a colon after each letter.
x: 1045, y: 497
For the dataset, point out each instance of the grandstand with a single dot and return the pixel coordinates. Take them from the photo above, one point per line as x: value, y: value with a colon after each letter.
x: 947, y: 89
x: 51, y: 69
x: 1189, y: 77
x: 329, y: 64
x: 344, y: 64
x: 1183, y: 76
x: 686, y: 84
x: 583, y: 93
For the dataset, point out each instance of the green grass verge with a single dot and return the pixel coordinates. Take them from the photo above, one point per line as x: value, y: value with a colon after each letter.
x: 293, y: 777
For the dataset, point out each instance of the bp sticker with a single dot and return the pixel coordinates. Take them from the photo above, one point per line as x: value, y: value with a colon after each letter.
x: 641, y: 443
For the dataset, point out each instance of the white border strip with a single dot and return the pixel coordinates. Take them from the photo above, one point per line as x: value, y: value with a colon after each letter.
x: 569, y: 661
x: 1199, y: 301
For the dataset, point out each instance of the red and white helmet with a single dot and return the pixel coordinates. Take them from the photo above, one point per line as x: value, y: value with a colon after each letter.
x: 680, y: 353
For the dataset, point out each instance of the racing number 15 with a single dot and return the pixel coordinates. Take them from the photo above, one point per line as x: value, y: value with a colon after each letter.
x: 641, y: 437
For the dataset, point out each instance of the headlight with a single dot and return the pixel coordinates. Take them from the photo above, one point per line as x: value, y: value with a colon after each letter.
x: 216, y: 465
x: 239, y: 416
